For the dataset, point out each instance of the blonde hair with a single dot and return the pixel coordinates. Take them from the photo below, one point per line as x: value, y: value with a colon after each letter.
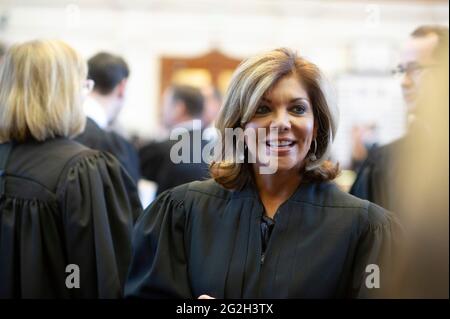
x: 41, y: 91
x: 251, y: 80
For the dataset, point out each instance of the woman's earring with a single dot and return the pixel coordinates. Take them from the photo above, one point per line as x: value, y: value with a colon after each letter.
x: 313, y: 157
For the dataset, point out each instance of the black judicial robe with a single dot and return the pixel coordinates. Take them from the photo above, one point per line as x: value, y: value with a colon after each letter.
x: 98, y: 139
x: 62, y: 204
x: 200, y: 238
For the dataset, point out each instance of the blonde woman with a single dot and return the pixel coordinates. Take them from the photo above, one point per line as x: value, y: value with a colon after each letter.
x: 289, y: 233
x: 66, y: 212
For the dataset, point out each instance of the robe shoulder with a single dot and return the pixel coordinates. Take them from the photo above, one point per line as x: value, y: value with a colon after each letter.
x: 324, y: 195
x: 82, y: 205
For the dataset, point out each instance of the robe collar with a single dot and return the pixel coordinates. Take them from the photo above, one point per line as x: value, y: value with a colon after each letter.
x: 304, y: 192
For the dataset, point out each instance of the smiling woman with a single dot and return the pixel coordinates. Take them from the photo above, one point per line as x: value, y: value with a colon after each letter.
x: 288, y: 118
x: 243, y: 234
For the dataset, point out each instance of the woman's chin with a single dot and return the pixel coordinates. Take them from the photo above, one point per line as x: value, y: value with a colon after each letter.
x: 283, y: 164
x: 287, y: 167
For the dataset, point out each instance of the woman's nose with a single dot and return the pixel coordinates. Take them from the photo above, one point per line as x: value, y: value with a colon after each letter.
x: 281, y: 121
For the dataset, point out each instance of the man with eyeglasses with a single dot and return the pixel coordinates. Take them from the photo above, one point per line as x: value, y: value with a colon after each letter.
x: 420, y: 53
x: 377, y: 178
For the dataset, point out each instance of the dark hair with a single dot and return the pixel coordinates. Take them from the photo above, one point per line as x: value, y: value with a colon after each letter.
x: 107, y: 70
x: 191, y: 97
x: 440, y: 31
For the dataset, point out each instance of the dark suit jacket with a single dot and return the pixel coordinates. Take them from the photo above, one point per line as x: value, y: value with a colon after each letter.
x: 156, y: 164
x: 97, y: 138
x: 378, y: 178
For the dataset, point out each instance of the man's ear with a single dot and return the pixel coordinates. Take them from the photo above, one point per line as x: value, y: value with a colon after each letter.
x: 120, y: 88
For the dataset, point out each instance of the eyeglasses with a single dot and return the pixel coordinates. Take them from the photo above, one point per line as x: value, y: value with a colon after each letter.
x: 410, y: 69
x: 87, y: 86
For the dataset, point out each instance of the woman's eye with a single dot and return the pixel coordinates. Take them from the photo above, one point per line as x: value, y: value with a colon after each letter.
x: 298, y: 109
x: 262, y: 109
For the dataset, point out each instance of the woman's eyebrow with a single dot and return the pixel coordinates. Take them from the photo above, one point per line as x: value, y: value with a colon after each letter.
x: 299, y: 99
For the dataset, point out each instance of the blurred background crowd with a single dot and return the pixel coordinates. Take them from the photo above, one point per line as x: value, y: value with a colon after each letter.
x: 158, y: 65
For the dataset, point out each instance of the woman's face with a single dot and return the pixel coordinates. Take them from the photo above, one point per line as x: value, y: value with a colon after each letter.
x: 286, y: 110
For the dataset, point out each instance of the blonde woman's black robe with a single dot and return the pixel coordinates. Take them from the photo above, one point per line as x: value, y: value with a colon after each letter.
x: 62, y: 204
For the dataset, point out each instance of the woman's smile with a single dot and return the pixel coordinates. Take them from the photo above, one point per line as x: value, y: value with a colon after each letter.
x: 281, y: 146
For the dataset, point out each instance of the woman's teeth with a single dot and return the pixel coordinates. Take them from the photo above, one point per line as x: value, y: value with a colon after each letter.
x: 280, y: 143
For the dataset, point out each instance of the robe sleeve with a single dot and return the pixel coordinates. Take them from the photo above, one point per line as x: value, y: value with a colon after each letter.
x: 375, y: 252
x: 159, y: 264
x: 99, y: 206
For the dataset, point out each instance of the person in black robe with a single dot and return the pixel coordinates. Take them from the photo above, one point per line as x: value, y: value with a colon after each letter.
x: 66, y: 211
x: 182, y: 106
x: 253, y: 233
x: 109, y: 74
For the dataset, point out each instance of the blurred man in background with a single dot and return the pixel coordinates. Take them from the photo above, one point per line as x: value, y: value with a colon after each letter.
x: 110, y: 74
x: 410, y: 176
x: 183, y: 108
x: 378, y: 177
x: 364, y: 137
x: 421, y: 195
